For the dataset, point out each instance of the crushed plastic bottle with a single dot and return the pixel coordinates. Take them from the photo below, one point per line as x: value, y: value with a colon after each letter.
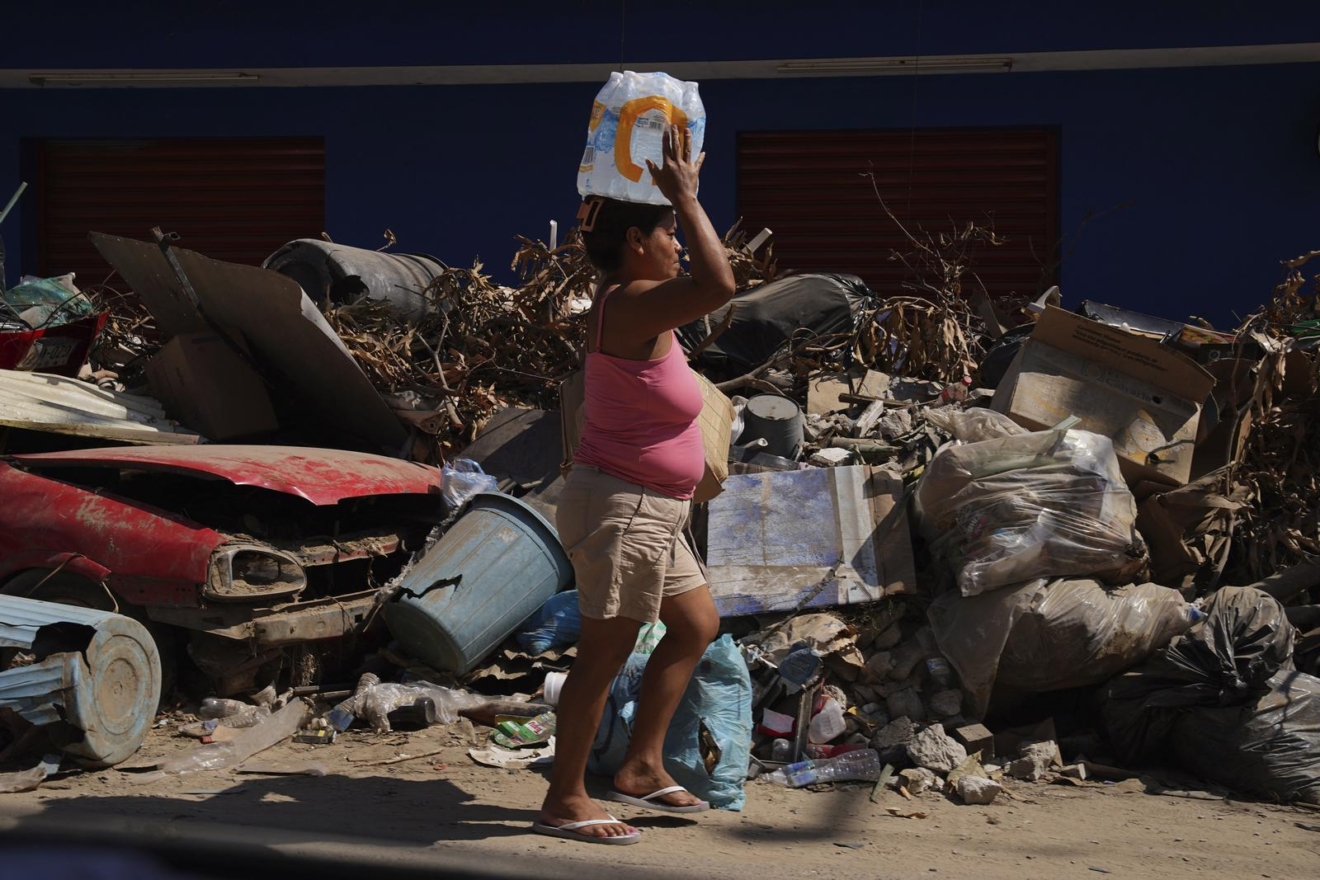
x: 862, y: 765
x: 219, y: 707
x: 232, y: 713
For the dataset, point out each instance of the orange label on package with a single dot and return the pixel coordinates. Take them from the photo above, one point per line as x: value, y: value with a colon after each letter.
x: 629, y: 113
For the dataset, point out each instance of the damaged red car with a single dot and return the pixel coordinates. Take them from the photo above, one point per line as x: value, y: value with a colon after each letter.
x: 260, y: 563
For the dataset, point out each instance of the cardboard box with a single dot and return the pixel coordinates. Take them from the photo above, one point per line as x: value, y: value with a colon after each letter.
x: 208, y: 387
x: 716, y: 422
x: 1144, y: 396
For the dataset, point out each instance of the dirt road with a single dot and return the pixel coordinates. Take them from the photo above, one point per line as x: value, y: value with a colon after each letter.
x: 443, y: 810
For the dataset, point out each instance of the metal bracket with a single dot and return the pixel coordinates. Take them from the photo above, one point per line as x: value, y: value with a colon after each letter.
x: 163, y: 240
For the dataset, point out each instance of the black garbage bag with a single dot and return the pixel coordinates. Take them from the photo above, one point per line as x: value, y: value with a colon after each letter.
x: 765, y: 317
x: 999, y: 356
x: 1223, y: 701
x: 1270, y: 748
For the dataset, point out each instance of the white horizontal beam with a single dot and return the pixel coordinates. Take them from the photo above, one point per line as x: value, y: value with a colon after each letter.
x: 776, y: 68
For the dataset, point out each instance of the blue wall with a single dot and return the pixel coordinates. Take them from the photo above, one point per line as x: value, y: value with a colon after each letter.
x: 1220, y: 163
x: 346, y: 33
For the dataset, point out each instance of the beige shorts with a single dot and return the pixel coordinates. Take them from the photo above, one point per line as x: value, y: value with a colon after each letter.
x: 626, y: 544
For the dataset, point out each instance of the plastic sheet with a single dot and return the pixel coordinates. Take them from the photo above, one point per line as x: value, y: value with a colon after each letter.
x: 47, y: 302
x: 374, y: 700
x: 973, y: 425
x: 1046, y: 636
x: 767, y: 317
x: 1043, y: 504
x: 716, y: 709
x: 218, y: 756
x: 558, y: 625
x: 463, y: 479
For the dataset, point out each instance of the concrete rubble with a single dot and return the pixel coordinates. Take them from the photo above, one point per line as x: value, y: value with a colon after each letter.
x: 977, y: 790
x: 933, y: 749
x: 1035, y: 761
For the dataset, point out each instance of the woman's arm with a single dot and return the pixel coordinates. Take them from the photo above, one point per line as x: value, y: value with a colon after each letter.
x: 642, y: 310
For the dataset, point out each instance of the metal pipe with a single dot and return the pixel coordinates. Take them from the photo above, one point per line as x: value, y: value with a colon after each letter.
x: 9, y: 207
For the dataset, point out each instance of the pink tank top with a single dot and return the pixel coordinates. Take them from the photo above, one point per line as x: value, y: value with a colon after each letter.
x: 641, y: 418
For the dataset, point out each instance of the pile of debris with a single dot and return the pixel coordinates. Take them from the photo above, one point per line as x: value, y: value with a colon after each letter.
x: 932, y: 511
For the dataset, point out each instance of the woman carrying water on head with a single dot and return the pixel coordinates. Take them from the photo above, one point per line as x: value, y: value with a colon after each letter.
x: 622, y: 511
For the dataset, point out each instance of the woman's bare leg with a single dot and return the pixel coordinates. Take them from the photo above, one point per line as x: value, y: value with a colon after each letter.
x: 691, y: 623
x: 601, y: 653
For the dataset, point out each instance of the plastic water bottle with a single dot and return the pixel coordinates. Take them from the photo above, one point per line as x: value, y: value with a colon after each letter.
x: 819, y: 753
x: 861, y: 765
x: 219, y: 707
x: 628, y: 121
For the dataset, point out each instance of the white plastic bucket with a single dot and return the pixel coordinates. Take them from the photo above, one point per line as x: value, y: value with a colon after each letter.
x: 554, y: 683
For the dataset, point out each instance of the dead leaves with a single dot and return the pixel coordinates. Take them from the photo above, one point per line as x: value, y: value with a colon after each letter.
x: 1278, y: 463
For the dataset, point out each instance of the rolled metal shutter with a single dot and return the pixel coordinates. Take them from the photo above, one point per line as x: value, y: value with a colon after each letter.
x: 811, y: 188
x: 235, y: 199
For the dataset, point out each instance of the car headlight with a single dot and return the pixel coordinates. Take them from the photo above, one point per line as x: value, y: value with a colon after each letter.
x: 250, y: 573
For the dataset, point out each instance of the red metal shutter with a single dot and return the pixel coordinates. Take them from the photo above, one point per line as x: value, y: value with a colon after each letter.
x: 810, y: 188
x: 229, y: 198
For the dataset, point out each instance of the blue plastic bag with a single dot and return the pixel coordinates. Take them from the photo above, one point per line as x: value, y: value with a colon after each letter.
x: 718, y: 697
x: 557, y: 625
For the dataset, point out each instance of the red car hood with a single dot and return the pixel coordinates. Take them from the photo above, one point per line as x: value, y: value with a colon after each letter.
x: 322, y: 476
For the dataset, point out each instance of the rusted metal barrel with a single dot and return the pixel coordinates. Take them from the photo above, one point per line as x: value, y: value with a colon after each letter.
x: 336, y: 274
x: 93, y: 671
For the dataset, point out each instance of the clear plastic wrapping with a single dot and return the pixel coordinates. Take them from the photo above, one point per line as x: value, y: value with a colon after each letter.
x: 374, y: 700
x: 462, y: 480
x: 973, y: 425
x: 1042, y: 504
x: 1050, y: 635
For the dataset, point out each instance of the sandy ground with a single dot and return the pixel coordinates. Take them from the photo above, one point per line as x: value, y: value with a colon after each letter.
x: 439, y: 809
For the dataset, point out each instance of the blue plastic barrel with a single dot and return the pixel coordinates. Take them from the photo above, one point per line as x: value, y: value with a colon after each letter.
x: 494, y: 568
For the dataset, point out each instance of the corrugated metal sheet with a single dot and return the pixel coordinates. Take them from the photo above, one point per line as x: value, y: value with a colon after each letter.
x: 237, y: 199
x: 108, y: 689
x: 20, y: 618
x: 60, y: 405
x: 38, y: 692
x: 810, y: 188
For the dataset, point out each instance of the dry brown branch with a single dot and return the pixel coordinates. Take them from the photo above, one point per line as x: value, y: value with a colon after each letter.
x: 1278, y: 464
x: 931, y: 330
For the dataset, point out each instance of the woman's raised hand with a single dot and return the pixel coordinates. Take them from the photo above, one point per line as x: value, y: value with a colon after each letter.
x: 677, y: 179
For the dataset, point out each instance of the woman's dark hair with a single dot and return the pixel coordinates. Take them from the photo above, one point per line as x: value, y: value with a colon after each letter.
x: 605, y: 233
